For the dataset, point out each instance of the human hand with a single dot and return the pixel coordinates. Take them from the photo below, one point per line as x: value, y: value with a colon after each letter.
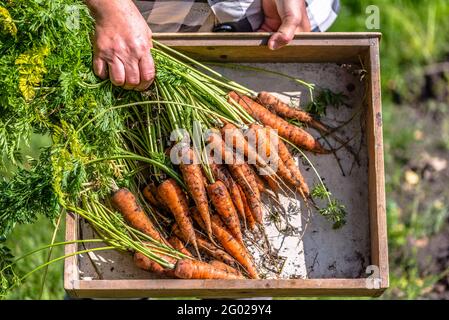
x: 284, y: 18
x: 122, y: 44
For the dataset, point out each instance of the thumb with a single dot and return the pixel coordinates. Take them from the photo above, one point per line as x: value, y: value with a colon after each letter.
x: 285, y: 33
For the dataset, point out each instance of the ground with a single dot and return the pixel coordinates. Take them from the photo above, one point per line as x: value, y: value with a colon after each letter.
x: 415, y: 84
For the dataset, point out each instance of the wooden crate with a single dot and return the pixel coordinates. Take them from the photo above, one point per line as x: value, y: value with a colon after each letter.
x: 344, y: 48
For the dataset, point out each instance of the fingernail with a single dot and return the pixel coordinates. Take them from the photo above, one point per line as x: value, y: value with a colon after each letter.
x: 275, y: 45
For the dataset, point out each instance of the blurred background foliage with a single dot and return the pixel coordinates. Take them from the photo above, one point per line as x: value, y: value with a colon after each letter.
x: 415, y: 83
x: 415, y: 89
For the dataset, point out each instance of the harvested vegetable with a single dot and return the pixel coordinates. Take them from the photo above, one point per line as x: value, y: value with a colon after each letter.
x: 195, y: 180
x: 193, y: 269
x: 288, y: 131
x: 221, y: 199
x: 208, y: 248
x: 287, y: 158
x: 175, y: 199
x: 221, y: 173
x: 233, y: 247
x: 244, y: 177
x: 251, y: 222
x: 147, y: 264
x: 125, y: 202
x: 282, y: 109
x: 177, y: 244
x: 223, y: 266
x: 149, y: 196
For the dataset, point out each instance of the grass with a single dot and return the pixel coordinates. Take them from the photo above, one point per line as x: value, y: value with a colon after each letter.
x: 413, y: 38
x: 29, y: 237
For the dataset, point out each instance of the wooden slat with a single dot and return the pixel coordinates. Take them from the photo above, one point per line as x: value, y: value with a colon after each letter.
x: 242, y: 36
x: 223, y: 288
x: 377, y: 206
x: 71, y: 274
x: 251, y: 47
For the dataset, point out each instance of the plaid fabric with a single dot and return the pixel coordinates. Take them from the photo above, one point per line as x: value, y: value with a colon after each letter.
x: 242, y: 15
x: 322, y: 13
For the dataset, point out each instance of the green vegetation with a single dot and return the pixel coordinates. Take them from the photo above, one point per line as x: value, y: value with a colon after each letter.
x: 415, y: 134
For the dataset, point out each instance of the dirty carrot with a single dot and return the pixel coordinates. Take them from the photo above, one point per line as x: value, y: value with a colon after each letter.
x: 271, y: 181
x: 193, y: 269
x: 149, y: 196
x: 287, y: 158
x: 221, y: 199
x: 221, y: 173
x: 207, y: 247
x: 145, y: 263
x: 294, y: 134
x: 223, y: 266
x: 194, y: 179
x: 177, y: 244
x: 260, y: 183
x: 235, y: 139
x: 215, y: 252
x: 240, y: 172
x: 233, y: 247
x: 282, y: 109
x: 126, y: 203
x: 175, y: 199
x: 251, y: 222
x: 245, y: 179
x: 268, y: 139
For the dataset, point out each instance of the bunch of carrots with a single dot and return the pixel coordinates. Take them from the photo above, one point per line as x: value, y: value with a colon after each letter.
x: 213, y: 197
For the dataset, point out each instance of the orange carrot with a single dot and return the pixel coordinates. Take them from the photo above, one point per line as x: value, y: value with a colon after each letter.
x: 296, y: 135
x: 271, y: 181
x: 215, y: 252
x: 235, y: 139
x: 245, y: 179
x: 223, y: 266
x: 231, y: 245
x: 249, y: 215
x: 175, y: 199
x: 287, y: 158
x: 207, y: 247
x: 177, y: 244
x: 219, y: 195
x: 147, y: 264
x: 150, y: 197
x: 241, y: 174
x: 217, y: 144
x: 193, y: 269
x: 194, y: 179
x: 126, y: 203
x: 264, y: 137
x: 260, y: 183
x: 282, y: 109
x: 221, y: 173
